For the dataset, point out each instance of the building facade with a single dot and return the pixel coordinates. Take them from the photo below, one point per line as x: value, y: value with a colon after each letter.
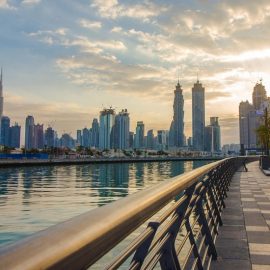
x: 150, y: 139
x: 5, y: 131
x: 29, y: 132
x: 38, y: 136
x: 106, y: 130
x: 177, y: 126
x: 49, y: 137
x: 198, y: 116
x: 258, y: 95
x: 15, y: 136
x: 213, y: 136
x: 139, y: 136
x: 94, y: 140
x: 121, y: 133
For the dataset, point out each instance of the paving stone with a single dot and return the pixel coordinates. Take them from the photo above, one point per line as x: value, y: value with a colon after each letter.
x: 244, y: 239
x: 223, y: 264
x: 258, y: 237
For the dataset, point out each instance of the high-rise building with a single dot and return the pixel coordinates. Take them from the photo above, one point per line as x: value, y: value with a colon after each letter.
x: 38, y: 136
x: 95, y: 134
x: 29, y: 132
x: 79, y: 138
x: 249, y: 121
x: 106, y: 130
x: 177, y: 126
x: 150, y: 139
x: 131, y: 139
x: 212, y: 136
x: 15, y: 136
x: 85, y: 138
x: 66, y: 141
x: 139, y: 136
x: 5, y: 131
x: 258, y: 95
x: 122, y: 130
x: 1, y: 95
x: 1, y: 99
x: 161, y: 139
x: 49, y: 137
x: 198, y: 116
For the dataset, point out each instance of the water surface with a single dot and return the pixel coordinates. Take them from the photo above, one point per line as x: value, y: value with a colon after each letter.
x: 34, y: 198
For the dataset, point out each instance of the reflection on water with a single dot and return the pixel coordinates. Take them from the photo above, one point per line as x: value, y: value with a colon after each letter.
x: 33, y: 198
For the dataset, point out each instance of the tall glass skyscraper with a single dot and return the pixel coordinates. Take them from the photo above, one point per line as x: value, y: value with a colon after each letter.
x: 1, y: 95
x: 15, y: 136
x: 177, y: 126
x: 95, y: 133
x: 5, y: 131
x: 29, y: 132
x: 258, y: 95
x: 38, y: 136
x: 198, y: 116
x: 122, y: 130
x: 49, y: 137
x: 85, y: 137
x: 106, y: 130
x: 212, y: 136
x: 139, y: 136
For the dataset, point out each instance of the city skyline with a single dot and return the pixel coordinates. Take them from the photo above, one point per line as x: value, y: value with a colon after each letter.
x: 64, y: 62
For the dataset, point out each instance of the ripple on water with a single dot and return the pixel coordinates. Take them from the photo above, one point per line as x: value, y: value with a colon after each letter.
x: 33, y: 198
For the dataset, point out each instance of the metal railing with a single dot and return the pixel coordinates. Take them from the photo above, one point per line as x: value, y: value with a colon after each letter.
x: 182, y: 237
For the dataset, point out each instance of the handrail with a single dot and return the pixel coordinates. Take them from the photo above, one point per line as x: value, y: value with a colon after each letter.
x: 81, y: 241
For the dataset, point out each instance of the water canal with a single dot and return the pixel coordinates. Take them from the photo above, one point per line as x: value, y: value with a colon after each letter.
x: 34, y: 198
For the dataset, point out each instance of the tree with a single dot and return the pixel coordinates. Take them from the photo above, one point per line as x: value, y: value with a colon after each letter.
x: 263, y: 133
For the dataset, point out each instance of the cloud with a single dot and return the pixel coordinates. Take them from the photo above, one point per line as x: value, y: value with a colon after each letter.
x: 113, y: 9
x: 90, y: 24
x: 5, y: 4
x: 30, y: 2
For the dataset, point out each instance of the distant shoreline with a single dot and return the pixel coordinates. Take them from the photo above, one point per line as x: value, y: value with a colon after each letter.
x: 41, y: 162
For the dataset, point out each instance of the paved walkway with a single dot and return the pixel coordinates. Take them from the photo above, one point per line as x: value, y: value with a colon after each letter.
x: 244, y: 239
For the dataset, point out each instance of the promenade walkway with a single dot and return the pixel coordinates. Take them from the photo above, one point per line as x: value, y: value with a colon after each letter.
x: 244, y: 238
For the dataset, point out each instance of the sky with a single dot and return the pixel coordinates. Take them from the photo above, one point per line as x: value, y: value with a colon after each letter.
x: 64, y: 60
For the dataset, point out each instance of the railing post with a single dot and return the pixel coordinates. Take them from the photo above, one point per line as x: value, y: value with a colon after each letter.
x: 142, y: 251
x: 212, y: 199
x: 205, y: 228
x: 169, y: 259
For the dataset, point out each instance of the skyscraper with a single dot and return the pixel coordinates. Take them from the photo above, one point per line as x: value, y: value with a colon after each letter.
x: 95, y: 134
x: 139, y: 136
x: 212, y: 136
x: 50, y: 137
x: 150, y: 139
x: 106, y: 130
x: 66, y: 141
x: 258, y: 95
x: 79, y: 138
x: 5, y: 131
x: 29, y: 132
x: 85, y: 138
x: 1, y: 95
x: 1, y: 99
x: 161, y: 139
x: 131, y: 139
x: 198, y: 116
x: 38, y: 136
x: 177, y: 126
x: 122, y: 130
x: 15, y: 136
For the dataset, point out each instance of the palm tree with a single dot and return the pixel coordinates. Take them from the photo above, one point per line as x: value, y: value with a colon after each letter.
x: 264, y: 136
x: 263, y: 133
